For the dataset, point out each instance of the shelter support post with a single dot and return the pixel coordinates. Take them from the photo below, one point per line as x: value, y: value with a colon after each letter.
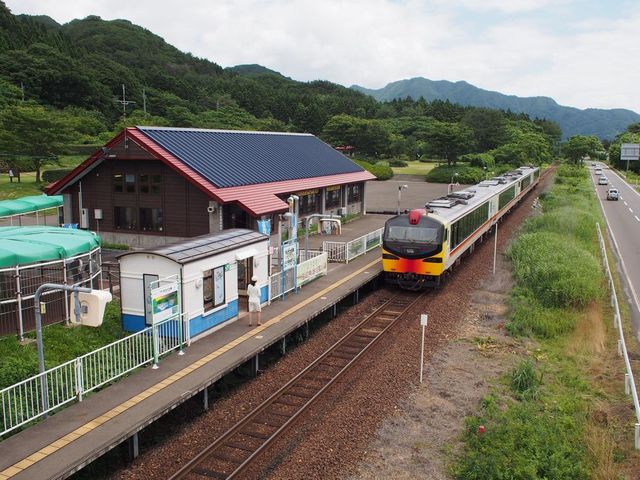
x: 283, y: 346
x: 256, y: 365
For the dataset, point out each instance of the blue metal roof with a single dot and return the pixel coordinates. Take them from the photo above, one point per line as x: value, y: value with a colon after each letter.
x: 233, y: 158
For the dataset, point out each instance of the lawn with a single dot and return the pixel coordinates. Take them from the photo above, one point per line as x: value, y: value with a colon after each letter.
x: 28, y: 185
x: 414, y: 168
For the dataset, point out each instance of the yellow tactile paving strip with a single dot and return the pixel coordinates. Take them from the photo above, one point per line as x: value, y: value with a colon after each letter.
x: 88, y: 427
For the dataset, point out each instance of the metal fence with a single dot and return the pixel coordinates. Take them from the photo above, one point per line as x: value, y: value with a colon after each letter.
x: 344, y: 252
x: 18, y: 286
x: 629, y: 381
x: 43, y: 393
x: 313, y: 267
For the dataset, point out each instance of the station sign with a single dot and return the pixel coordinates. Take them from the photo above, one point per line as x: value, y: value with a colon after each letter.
x: 289, y: 256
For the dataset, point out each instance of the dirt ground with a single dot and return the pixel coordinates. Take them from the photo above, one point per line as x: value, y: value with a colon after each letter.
x: 413, y: 444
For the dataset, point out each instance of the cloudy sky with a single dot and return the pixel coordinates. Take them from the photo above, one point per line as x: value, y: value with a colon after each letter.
x: 582, y: 53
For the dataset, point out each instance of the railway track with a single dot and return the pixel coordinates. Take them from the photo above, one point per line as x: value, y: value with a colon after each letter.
x: 236, y: 449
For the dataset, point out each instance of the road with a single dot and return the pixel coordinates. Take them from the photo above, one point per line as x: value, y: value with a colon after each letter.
x: 623, y: 218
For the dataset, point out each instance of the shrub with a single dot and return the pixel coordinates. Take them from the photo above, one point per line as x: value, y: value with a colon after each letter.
x: 524, y: 381
x: 557, y: 271
x: 398, y: 163
x: 479, y: 160
x: 466, y: 174
x: 528, y: 317
x: 527, y: 440
x: 381, y: 171
x: 114, y: 246
x: 55, y: 174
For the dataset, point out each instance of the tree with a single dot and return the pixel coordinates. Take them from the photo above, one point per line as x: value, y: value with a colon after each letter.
x: 488, y: 127
x: 449, y: 140
x: 35, y: 132
x: 580, y: 146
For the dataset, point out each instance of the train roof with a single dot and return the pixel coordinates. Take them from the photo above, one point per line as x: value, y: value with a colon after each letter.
x: 460, y: 202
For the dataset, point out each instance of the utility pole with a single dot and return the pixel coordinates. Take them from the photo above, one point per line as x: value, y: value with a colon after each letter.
x: 144, y: 102
x: 22, y: 88
x: 124, y: 102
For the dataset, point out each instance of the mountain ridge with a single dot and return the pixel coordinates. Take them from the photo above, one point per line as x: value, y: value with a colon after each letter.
x: 604, y: 123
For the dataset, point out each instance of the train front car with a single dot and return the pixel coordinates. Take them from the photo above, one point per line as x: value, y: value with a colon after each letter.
x: 412, y: 250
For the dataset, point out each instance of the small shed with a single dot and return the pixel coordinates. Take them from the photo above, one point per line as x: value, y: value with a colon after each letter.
x: 212, y: 271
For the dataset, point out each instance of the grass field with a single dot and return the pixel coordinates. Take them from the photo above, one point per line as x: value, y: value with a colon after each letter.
x: 414, y: 168
x: 28, y: 185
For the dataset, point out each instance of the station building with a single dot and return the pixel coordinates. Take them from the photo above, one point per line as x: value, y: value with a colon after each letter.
x: 150, y: 186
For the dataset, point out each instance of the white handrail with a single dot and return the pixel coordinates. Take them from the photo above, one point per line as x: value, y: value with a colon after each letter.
x: 21, y: 403
x: 630, y: 384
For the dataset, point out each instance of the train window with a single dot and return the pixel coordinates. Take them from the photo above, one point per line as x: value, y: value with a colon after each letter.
x: 468, y: 224
x: 413, y: 234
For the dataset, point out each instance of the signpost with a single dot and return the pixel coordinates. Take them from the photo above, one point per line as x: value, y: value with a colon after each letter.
x: 165, y: 305
x: 424, y: 318
x: 629, y: 152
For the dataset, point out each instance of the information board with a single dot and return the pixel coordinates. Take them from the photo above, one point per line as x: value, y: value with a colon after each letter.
x: 289, y: 256
x: 164, y: 302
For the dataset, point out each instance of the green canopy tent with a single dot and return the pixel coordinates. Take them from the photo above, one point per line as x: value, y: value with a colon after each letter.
x: 25, y: 205
x: 31, y: 256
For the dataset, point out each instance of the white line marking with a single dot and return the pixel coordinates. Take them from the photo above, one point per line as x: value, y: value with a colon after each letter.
x: 638, y: 219
x: 631, y: 210
x: 626, y: 204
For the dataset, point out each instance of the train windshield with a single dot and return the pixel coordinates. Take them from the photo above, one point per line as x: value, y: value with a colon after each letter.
x: 413, y: 234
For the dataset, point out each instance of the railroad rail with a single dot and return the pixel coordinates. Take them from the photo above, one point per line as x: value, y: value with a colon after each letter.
x: 236, y: 449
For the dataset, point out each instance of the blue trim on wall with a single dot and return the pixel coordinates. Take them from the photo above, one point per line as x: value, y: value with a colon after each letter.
x: 201, y: 323
x: 264, y: 294
x: 133, y: 323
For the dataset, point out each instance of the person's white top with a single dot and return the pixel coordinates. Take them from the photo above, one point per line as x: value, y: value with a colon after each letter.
x: 254, y: 293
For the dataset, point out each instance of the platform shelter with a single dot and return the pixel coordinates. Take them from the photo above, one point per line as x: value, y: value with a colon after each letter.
x: 212, y: 272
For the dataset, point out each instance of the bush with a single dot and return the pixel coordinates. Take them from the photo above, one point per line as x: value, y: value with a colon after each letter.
x: 466, y: 174
x: 524, y: 381
x: 558, y: 272
x: 529, y: 318
x: 528, y: 440
x: 380, y: 170
x: 479, y: 160
x: 114, y: 246
x: 54, y: 174
x: 398, y: 163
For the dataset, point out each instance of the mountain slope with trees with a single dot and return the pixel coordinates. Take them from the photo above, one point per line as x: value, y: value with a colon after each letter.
x: 592, y: 121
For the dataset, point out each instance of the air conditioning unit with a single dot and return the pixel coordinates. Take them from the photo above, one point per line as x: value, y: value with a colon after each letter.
x: 84, y: 218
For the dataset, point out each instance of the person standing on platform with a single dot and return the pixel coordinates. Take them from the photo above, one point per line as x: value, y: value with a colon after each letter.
x: 254, y: 301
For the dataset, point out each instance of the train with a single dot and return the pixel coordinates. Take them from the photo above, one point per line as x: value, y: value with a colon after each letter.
x: 420, y: 247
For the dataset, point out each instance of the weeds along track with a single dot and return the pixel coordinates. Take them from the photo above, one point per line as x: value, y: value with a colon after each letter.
x: 236, y: 449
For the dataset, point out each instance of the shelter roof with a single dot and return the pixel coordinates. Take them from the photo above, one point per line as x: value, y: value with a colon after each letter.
x: 25, y: 245
x: 18, y: 206
x: 204, y: 246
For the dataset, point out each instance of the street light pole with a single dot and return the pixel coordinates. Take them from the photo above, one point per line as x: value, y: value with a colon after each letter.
x: 400, y: 188
x: 76, y: 311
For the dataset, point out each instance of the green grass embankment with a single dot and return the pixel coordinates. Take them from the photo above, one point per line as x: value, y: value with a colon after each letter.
x: 539, y: 421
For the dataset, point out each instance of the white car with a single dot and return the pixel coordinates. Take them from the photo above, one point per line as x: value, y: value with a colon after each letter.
x: 598, y: 171
x: 603, y: 180
x: 612, y: 194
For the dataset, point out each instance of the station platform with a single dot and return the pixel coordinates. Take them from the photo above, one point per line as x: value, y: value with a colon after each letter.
x: 65, y: 442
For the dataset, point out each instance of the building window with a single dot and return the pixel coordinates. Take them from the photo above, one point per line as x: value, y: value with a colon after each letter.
x: 125, y: 218
x: 309, y: 201
x: 213, y: 291
x: 151, y: 219
x: 124, y: 183
x: 150, y: 184
x: 354, y: 193
x: 333, y: 197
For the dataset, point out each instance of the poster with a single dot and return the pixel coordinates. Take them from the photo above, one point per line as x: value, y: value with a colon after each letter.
x: 164, y: 302
x: 289, y: 256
